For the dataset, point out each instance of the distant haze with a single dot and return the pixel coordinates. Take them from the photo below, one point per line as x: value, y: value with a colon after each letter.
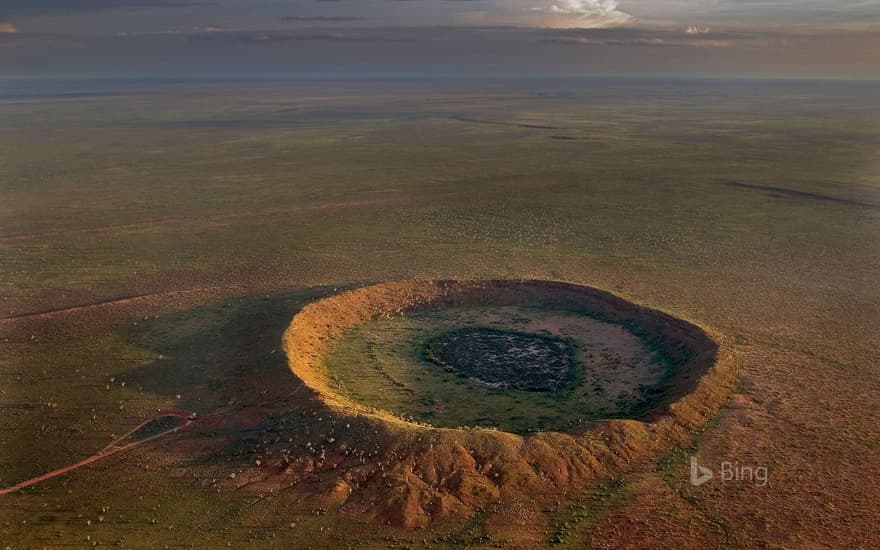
x: 785, y: 38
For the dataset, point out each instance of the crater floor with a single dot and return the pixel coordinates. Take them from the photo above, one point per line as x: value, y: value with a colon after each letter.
x: 505, y: 359
x: 514, y: 368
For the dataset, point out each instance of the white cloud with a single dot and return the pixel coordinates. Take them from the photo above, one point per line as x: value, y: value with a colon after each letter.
x: 584, y: 13
x: 693, y: 29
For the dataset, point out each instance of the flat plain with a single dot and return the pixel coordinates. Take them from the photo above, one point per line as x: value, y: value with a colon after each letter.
x: 156, y: 238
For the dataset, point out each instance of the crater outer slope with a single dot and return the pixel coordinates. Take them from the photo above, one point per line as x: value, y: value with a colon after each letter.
x: 420, y: 474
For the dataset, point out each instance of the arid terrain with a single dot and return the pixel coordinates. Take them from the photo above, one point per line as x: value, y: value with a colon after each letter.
x: 157, y: 239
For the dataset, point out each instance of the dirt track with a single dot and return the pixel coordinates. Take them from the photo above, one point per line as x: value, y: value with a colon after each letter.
x: 122, y: 300
x: 111, y: 449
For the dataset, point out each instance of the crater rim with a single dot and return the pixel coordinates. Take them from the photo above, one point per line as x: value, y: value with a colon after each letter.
x: 691, y: 391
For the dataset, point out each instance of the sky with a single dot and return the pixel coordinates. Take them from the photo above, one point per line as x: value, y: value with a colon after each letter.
x: 337, y: 38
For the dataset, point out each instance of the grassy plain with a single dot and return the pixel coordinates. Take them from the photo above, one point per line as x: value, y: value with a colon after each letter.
x: 191, y: 220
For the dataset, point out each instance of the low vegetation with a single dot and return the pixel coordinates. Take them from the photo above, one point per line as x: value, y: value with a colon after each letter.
x: 157, y: 238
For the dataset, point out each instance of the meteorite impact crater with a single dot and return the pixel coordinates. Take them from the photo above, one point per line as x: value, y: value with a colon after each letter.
x: 502, y: 393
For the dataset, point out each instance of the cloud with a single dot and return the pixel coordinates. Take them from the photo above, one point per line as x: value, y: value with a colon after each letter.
x: 172, y: 32
x: 633, y: 37
x: 651, y: 42
x: 753, y: 14
x: 322, y: 18
x: 693, y: 29
x: 269, y: 37
x: 584, y: 13
x: 45, y: 7
x: 7, y: 28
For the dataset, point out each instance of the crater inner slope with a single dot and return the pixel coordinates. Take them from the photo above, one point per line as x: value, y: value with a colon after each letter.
x: 515, y: 368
